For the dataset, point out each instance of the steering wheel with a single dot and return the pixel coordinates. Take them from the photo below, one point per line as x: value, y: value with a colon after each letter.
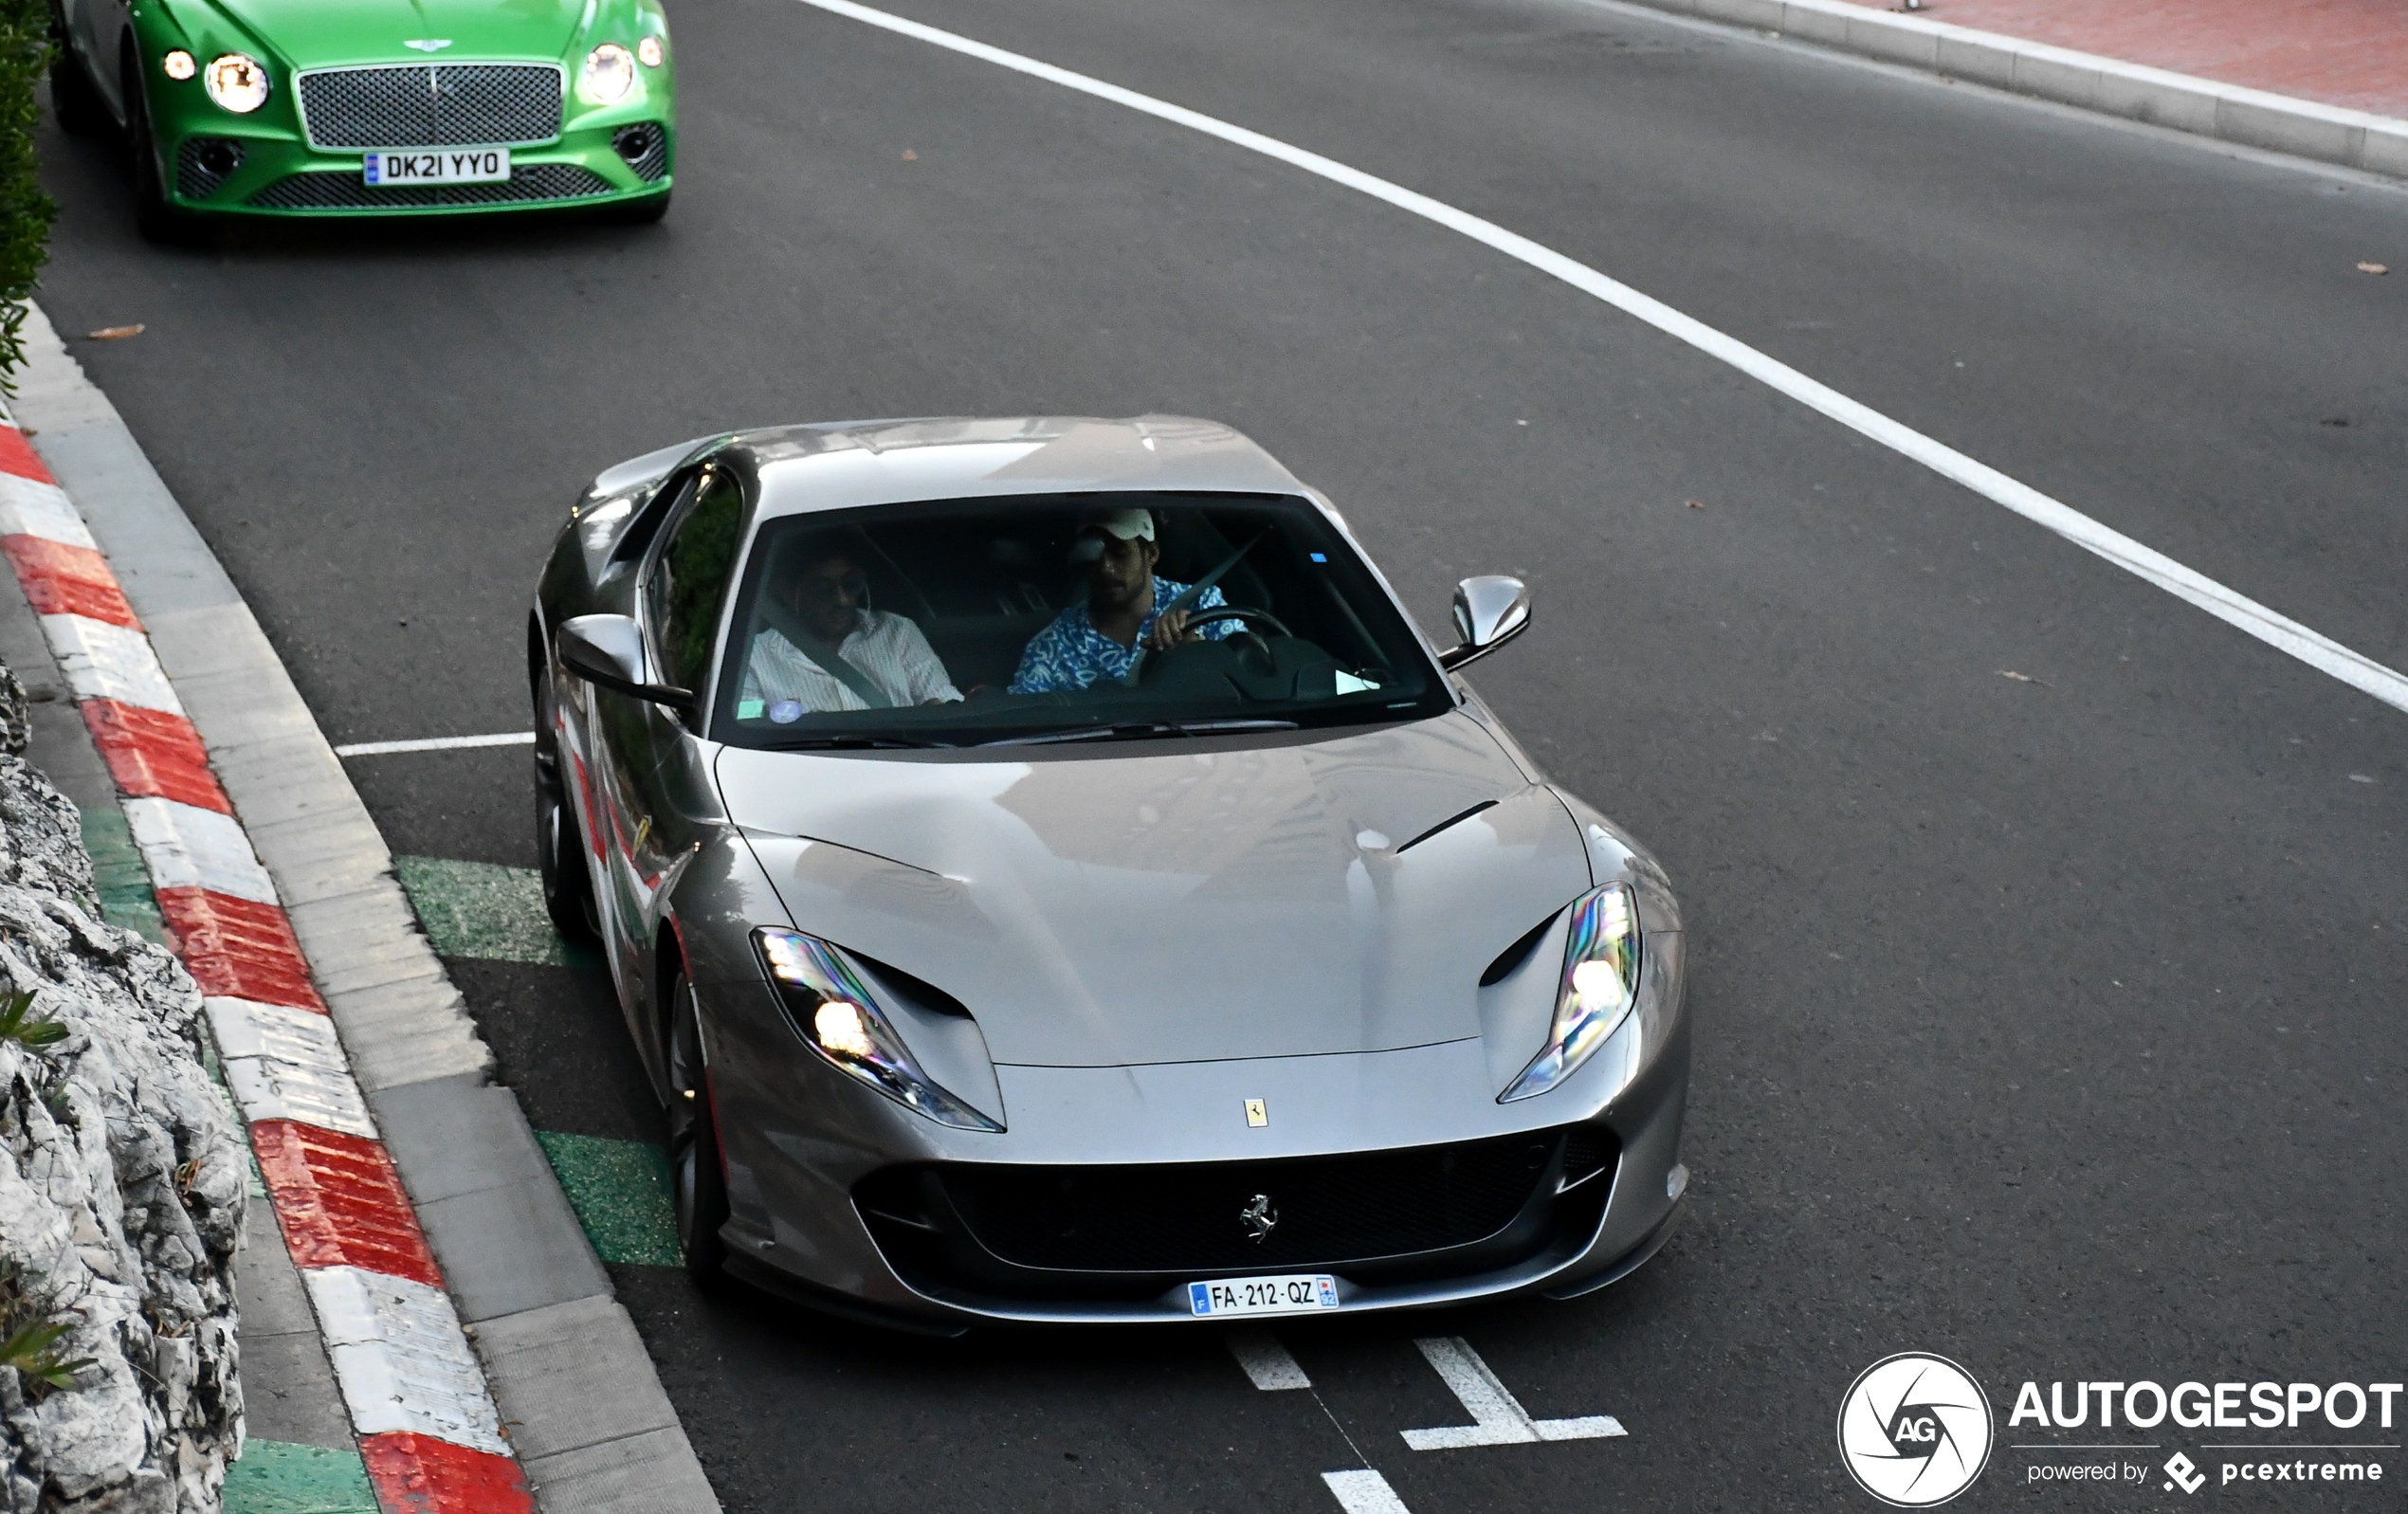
x: 1246, y: 614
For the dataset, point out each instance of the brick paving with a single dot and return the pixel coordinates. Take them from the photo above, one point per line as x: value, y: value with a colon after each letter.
x: 2340, y: 52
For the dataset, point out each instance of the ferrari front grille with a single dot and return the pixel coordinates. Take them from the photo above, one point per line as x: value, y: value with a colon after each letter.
x: 432, y: 105
x: 1191, y: 1218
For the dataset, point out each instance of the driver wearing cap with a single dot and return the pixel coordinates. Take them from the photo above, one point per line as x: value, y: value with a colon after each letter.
x: 1102, y: 639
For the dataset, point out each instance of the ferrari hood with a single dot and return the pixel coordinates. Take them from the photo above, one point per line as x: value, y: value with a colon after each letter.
x: 1095, y: 910
x: 312, y: 34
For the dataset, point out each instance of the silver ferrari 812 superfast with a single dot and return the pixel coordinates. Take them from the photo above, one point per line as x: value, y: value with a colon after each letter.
x: 1050, y: 878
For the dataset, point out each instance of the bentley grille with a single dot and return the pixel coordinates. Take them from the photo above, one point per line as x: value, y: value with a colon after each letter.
x: 345, y: 191
x: 432, y: 105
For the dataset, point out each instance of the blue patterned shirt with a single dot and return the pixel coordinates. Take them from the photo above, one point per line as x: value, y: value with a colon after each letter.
x: 1071, y: 653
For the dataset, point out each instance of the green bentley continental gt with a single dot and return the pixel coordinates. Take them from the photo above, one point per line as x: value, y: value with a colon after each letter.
x: 374, y: 107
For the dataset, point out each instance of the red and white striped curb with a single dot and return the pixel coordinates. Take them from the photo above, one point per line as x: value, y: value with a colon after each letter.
x: 417, y: 1397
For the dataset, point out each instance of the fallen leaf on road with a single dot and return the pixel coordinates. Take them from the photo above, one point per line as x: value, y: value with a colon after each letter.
x: 910, y: 156
x: 2022, y: 677
x: 1697, y: 505
x: 2372, y: 267
x: 113, y: 333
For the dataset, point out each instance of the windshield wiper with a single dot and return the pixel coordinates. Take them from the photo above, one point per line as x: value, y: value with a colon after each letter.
x: 1140, y: 730
x: 851, y: 741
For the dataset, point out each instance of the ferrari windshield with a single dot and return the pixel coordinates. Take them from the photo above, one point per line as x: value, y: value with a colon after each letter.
x: 1061, y: 618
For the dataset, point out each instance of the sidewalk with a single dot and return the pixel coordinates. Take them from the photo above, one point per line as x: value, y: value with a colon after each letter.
x: 2324, y: 79
x: 2350, y: 53
x: 426, y: 1326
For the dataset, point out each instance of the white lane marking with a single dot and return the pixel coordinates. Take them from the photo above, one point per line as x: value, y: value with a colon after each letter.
x: 286, y: 1064
x: 436, y: 743
x: 106, y: 662
x: 1497, y: 1417
x: 1364, y: 1491
x: 2278, y: 632
x: 401, y: 1358
x: 32, y: 509
x: 1265, y: 1360
x: 186, y: 847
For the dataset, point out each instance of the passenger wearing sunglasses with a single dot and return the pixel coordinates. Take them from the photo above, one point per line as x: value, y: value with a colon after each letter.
x: 823, y: 649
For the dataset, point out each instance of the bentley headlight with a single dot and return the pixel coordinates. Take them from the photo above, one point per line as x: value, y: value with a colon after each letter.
x: 609, y: 73
x: 651, y: 51
x: 843, y: 1023
x: 178, y: 64
x: 237, y: 82
x: 1600, y: 986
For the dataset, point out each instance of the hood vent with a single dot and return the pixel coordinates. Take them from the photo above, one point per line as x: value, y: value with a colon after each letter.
x: 1509, y: 960
x: 1456, y: 820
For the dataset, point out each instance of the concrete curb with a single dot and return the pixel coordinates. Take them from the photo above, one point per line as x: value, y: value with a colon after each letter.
x: 2228, y: 113
x: 451, y: 1229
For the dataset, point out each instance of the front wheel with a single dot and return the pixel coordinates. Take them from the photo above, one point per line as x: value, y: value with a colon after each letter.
x: 154, y: 215
x: 559, y: 846
x: 698, y: 1177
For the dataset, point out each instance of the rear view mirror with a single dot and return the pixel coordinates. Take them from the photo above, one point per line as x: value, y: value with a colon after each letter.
x: 608, y: 651
x: 1490, y: 610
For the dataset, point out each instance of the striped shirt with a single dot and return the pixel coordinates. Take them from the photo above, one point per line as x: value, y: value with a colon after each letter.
x: 889, y: 650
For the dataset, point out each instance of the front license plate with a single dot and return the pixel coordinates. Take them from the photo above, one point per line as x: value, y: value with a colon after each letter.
x: 1298, y: 1293
x: 445, y: 165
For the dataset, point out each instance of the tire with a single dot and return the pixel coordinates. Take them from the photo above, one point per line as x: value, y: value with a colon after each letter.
x: 698, y: 1177
x: 559, y: 846
x: 155, y: 216
x: 78, y: 104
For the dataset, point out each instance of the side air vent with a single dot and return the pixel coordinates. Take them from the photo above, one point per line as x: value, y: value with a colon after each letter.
x: 1588, y: 1149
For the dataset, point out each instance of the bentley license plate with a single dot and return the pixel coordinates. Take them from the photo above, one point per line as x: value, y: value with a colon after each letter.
x: 1298, y: 1293
x: 447, y: 165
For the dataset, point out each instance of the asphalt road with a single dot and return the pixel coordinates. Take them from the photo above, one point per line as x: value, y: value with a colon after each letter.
x: 2048, y: 1022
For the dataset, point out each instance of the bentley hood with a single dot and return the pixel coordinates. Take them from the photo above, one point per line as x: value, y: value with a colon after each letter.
x: 312, y: 34
x: 1095, y: 910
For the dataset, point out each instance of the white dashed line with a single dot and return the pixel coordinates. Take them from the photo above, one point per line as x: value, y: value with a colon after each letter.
x: 436, y: 743
x: 2239, y: 611
x: 1265, y: 1360
x: 1498, y: 1418
x: 1364, y: 1492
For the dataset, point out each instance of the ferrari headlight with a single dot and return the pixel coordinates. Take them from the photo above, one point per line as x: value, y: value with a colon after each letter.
x: 1600, y: 986
x: 841, y: 1021
x: 237, y: 82
x: 609, y: 73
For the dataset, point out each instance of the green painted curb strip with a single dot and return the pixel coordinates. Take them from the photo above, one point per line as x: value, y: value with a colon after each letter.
x: 620, y: 1190
x: 477, y: 910
x: 275, y: 1477
x: 118, y: 876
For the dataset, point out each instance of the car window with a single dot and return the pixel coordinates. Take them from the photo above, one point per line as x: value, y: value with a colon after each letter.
x: 690, y: 578
x: 1040, y: 618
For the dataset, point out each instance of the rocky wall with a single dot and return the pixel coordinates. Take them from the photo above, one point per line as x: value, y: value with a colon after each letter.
x: 121, y: 1190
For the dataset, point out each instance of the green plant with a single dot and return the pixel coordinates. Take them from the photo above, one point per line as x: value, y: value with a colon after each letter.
x: 31, y: 1334
x: 18, y: 1022
x: 25, y: 212
x: 29, y: 1351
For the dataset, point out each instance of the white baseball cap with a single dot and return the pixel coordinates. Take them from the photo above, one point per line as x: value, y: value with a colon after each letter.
x: 1128, y: 524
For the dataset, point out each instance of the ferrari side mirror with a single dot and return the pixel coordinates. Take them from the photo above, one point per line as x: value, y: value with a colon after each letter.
x: 608, y: 651
x: 1490, y: 610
